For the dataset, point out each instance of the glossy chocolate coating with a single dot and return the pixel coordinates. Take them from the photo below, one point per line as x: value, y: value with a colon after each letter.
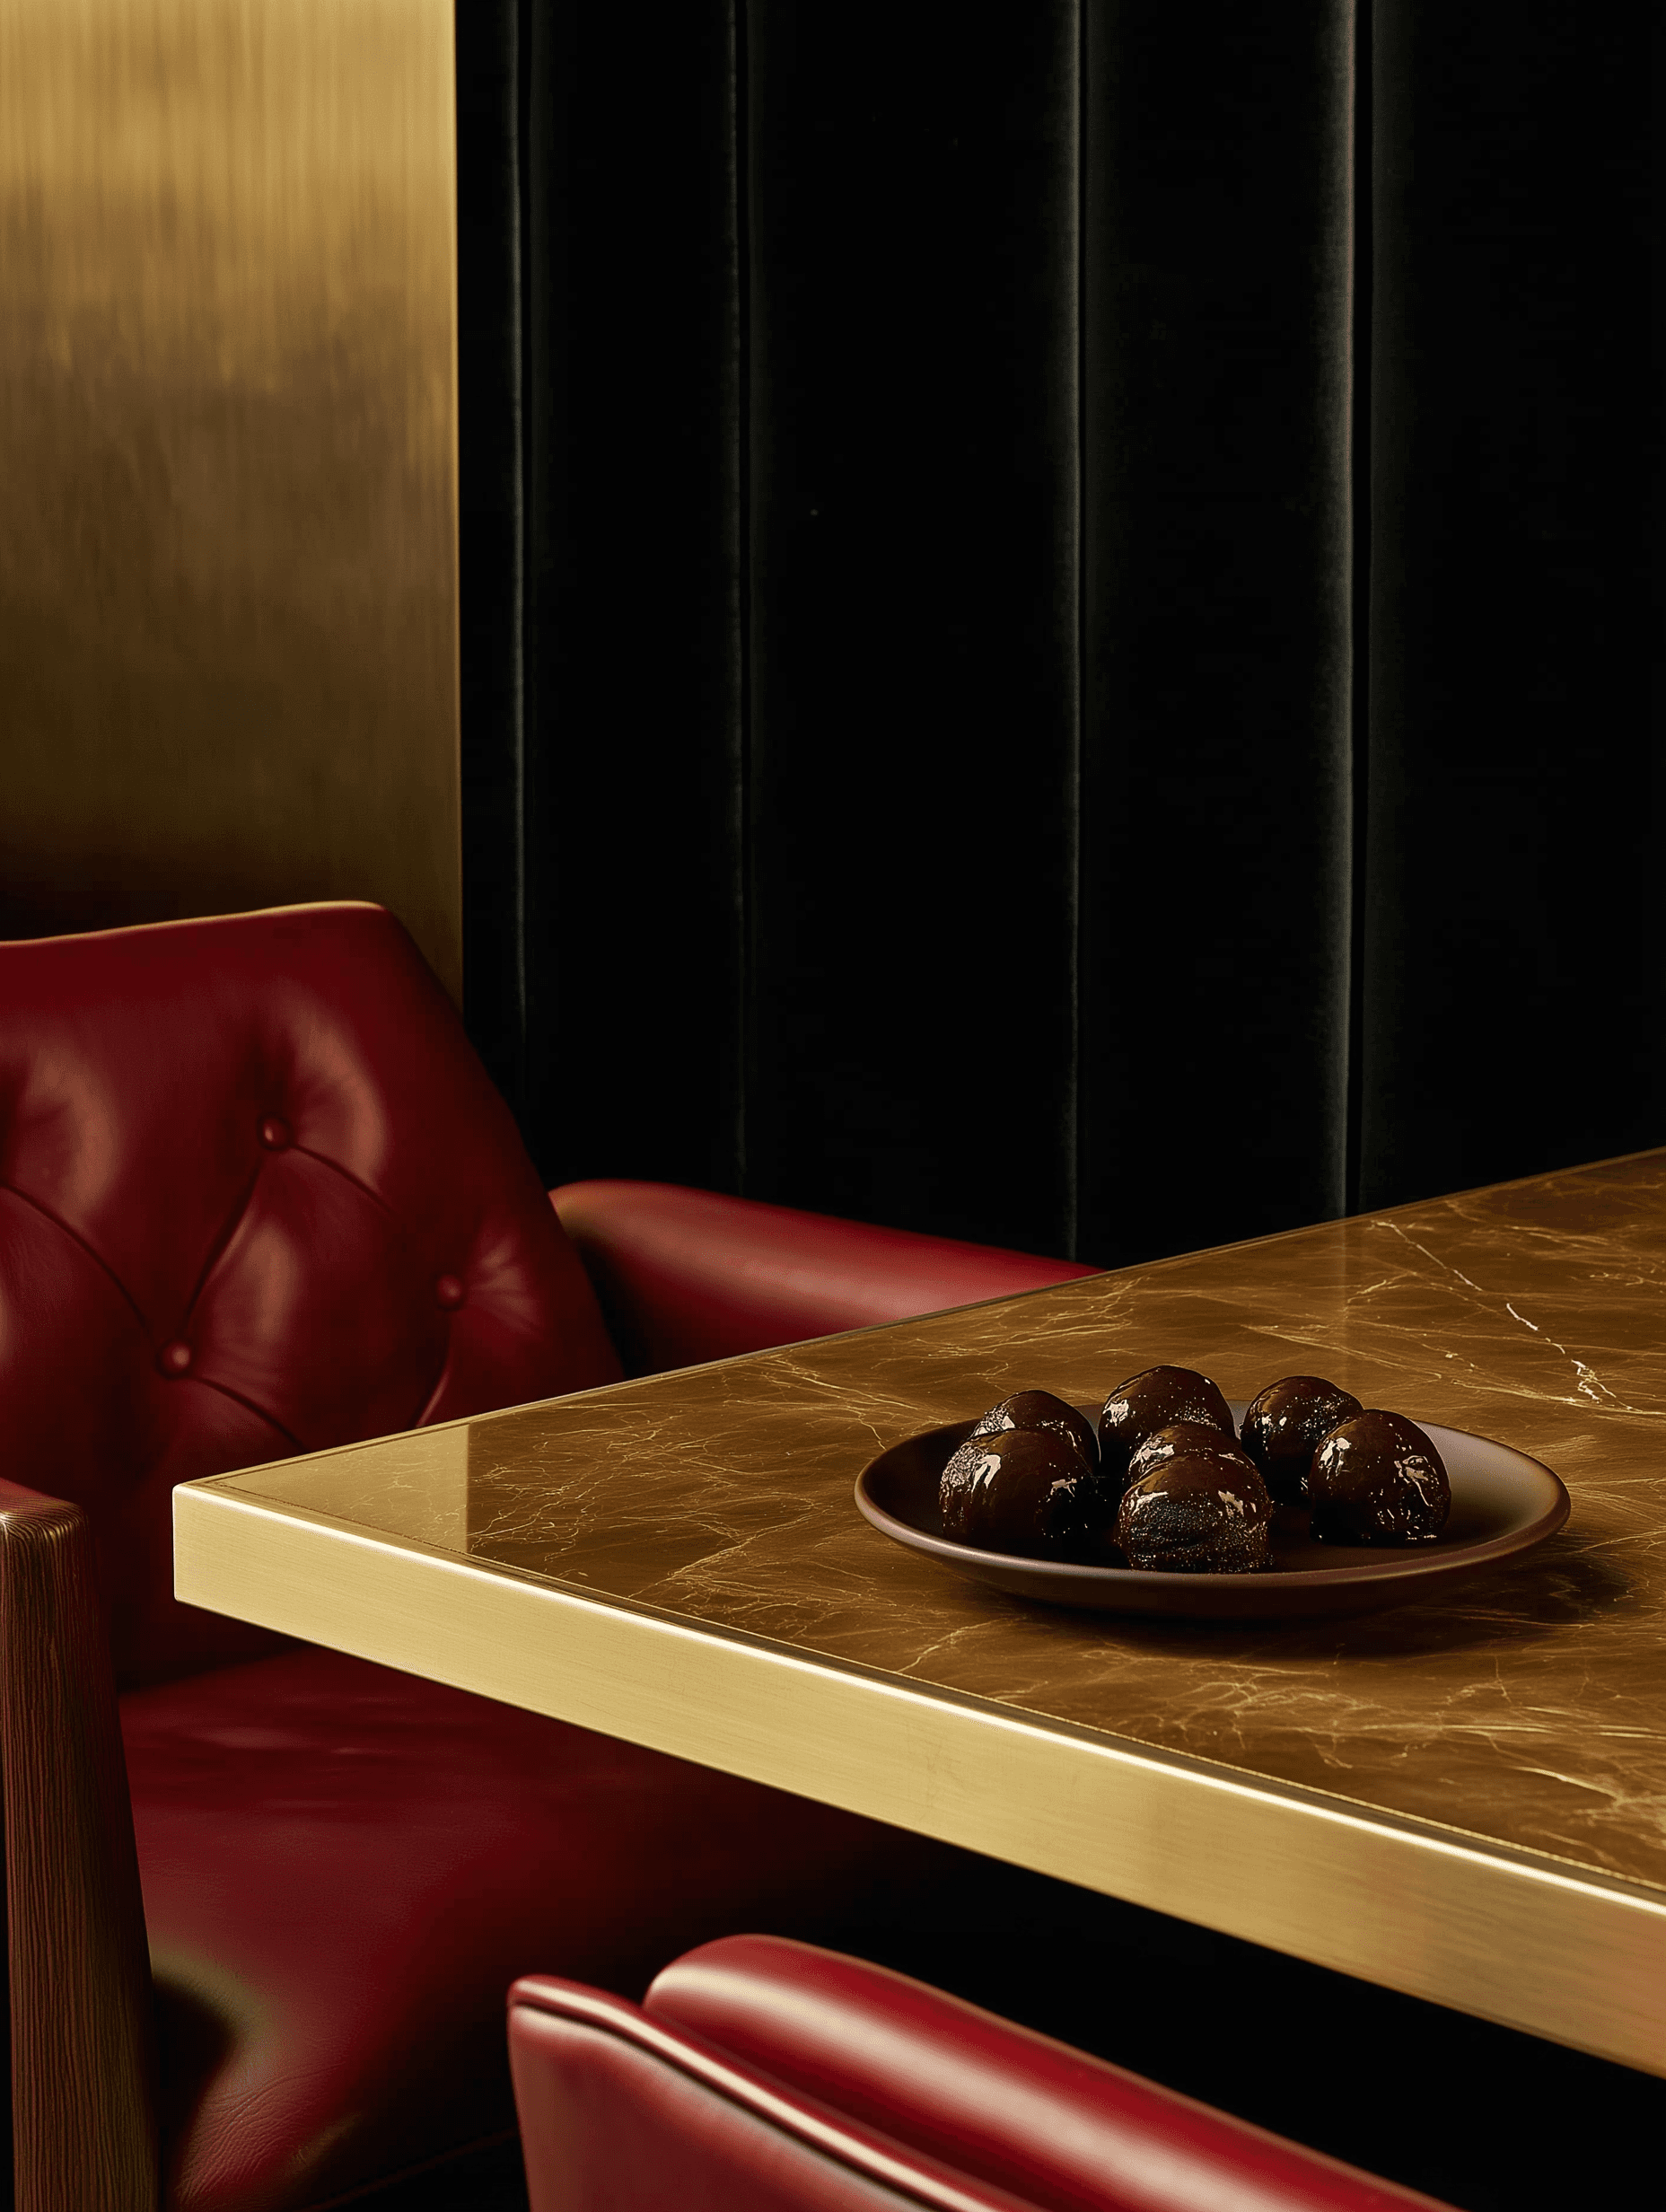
x: 1024, y: 1490
x: 1184, y: 1440
x: 1041, y: 1409
x: 1199, y: 1513
x: 1378, y: 1480
x: 1155, y: 1399
x: 1286, y: 1424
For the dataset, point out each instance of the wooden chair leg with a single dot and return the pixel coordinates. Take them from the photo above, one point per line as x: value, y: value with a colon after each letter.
x: 82, y: 2027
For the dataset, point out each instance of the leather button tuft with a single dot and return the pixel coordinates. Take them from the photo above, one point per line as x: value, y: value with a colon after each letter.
x: 449, y: 1291
x: 174, y: 1359
x: 276, y: 1134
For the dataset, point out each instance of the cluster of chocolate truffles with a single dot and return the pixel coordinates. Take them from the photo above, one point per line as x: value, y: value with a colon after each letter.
x: 1168, y: 1481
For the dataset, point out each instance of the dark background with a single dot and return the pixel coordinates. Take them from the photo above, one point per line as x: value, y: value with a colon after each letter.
x: 1059, y: 644
x: 1059, y: 615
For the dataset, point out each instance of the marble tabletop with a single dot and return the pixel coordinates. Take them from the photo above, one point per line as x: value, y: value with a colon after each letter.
x: 1524, y: 1715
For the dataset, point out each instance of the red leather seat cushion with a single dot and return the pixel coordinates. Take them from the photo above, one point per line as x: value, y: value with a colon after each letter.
x: 332, y: 1933
x: 686, y: 1276
x: 257, y: 1196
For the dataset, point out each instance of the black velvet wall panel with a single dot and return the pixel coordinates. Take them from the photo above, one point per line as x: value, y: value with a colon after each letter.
x: 602, y: 601
x: 1217, y: 764
x: 1513, y: 986
x: 1056, y: 635
x: 913, y: 614
x: 490, y: 128
x: 634, y: 868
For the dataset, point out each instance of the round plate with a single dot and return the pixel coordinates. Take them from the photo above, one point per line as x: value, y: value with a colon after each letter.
x: 1503, y: 1502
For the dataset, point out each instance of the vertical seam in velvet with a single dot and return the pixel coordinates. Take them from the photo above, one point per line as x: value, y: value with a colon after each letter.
x: 517, y: 734
x: 1073, y: 1086
x: 1361, y: 447
x: 740, y: 157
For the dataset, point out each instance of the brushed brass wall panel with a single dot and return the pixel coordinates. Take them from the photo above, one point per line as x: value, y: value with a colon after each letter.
x: 228, y: 590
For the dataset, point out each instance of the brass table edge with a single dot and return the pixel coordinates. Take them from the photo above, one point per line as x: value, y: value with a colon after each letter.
x: 1440, y: 1834
x: 1558, y: 1949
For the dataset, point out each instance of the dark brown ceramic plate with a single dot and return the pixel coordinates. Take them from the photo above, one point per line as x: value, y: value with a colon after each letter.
x: 1503, y: 1503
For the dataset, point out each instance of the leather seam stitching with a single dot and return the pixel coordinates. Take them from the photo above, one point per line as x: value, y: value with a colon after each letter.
x: 348, y: 1176
x: 81, y: 1245
x: 237, y: 1398
x: 219, y: 1247
x: 228, y: 1232
x: 433, y: 1398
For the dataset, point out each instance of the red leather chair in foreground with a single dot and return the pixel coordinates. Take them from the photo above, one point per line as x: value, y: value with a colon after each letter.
x: 257, y: 1196
x: 764, y: 2075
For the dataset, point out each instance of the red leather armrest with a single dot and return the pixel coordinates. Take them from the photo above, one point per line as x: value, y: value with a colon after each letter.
x: 618, y: 2109
x: 1010, y: 2107
x: 685, y: 1276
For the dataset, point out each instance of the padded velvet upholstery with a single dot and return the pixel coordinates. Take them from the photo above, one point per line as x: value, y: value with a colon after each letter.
x: 692, y: 1275
x: 767, y: 2076
x: 257, y: 1196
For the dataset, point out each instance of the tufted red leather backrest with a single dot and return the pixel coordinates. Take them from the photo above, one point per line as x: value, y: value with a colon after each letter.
x: 257, y: 1196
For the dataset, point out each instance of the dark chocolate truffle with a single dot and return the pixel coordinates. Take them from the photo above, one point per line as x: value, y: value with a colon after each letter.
x: 1184, y: 1440
x: 1026, y: 1490
x: 1200, y: 1513
x: 1041, y: 1409
x: 1286, y: 1424
x: 1378, y: 1480
x: 1155, y: 1399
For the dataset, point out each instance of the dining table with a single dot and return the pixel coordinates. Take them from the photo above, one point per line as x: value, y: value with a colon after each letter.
x: 1460, y: 1796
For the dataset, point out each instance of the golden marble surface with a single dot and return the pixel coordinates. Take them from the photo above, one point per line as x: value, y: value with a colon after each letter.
x: 1529, y: 1709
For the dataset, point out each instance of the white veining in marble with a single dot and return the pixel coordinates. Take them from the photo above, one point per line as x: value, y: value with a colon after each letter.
x: 1530, y: 1707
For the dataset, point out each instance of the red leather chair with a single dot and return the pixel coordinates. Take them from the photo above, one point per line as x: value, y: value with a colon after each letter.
x: 257, y: 1196
x: 766, y: 2076
x: 685, y: 1275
